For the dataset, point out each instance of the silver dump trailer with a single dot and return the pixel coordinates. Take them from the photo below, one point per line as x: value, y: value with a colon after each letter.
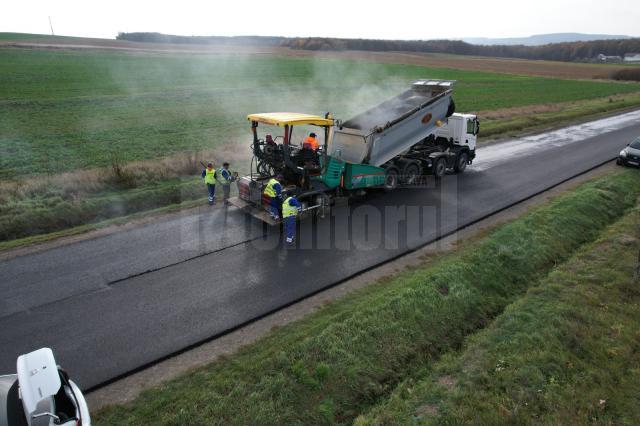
x: 413, y: 133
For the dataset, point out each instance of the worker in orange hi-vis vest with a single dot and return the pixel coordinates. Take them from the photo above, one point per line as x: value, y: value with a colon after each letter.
x: 311, y: 142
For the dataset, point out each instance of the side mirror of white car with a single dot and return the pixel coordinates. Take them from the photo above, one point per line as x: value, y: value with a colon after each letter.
x: 38, y: 378
x: 45, y: 391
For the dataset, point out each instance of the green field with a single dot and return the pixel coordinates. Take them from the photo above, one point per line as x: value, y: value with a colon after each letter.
x: 355, y: 353
x: 63, y: 110
x: 85, y: 111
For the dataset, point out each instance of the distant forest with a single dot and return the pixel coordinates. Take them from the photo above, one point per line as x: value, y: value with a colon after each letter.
x: 572, y: 51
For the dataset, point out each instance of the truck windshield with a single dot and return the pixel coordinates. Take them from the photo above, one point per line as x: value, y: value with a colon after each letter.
x: 471, y: 127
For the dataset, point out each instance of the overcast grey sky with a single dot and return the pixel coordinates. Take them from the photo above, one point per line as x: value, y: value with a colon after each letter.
x: 397, y: 19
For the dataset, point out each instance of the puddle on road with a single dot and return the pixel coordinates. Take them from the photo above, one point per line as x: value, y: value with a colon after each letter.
x: 492, y: 155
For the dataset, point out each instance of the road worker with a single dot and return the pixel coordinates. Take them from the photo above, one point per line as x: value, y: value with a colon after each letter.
x: 273, y: 190
x: 224, y: 179
x: 209, y: 176
x: 290, y: 209
x: 311, y: 142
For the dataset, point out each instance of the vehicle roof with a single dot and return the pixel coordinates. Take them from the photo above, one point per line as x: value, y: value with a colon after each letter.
x: 289, y: 118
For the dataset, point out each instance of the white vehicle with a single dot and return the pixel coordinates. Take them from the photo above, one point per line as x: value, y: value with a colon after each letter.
x: 41, y: 394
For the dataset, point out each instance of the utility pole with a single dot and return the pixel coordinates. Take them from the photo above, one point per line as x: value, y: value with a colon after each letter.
x: 51, y: 26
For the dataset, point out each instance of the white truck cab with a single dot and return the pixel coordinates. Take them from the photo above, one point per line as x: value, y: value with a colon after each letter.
x: 462, y: 128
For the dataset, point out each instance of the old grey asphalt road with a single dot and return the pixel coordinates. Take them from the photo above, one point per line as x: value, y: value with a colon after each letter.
x: 113, y: 304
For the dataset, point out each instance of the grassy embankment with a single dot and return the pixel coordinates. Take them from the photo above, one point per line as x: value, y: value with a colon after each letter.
x: 68, y: 116
x: 501, y: 124
x: 341, y: 361
x: 568, y: 352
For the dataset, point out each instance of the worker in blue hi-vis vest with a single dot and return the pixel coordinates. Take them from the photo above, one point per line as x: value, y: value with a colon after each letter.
x: 209, y: 176
x: 224, y: 178
x: 290, y: 209
x: 273, y: 190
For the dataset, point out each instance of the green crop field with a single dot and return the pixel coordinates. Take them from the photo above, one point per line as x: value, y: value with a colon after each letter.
x: 63, y: 110
x: 73, y: 110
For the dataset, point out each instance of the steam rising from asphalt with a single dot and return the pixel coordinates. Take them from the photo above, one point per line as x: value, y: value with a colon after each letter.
x: 194, y: 103
x: 214, y: 93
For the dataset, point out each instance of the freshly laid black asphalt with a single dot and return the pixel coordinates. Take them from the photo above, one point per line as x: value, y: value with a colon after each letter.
x: 110, y: 305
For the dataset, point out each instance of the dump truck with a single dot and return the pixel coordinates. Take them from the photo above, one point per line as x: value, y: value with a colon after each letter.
x: 397, y: 142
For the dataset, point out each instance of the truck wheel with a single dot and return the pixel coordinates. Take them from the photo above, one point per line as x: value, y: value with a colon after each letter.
x: 440, y: 167
x: 461, y: 162
x: 391, y: 179
x: 410, y: 173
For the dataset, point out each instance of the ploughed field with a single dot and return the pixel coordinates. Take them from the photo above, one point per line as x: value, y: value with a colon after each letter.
x: 440, y: 60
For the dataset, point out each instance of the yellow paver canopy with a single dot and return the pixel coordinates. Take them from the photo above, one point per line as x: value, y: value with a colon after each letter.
x: 290, y: 118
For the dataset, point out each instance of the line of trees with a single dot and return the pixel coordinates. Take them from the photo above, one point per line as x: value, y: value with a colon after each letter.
x: 572, y: 51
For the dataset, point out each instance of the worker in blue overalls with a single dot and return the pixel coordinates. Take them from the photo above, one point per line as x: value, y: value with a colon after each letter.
x: 208, y: 175
x: 224, y: 178
x: 273, y: 190
x: 290, y: 209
